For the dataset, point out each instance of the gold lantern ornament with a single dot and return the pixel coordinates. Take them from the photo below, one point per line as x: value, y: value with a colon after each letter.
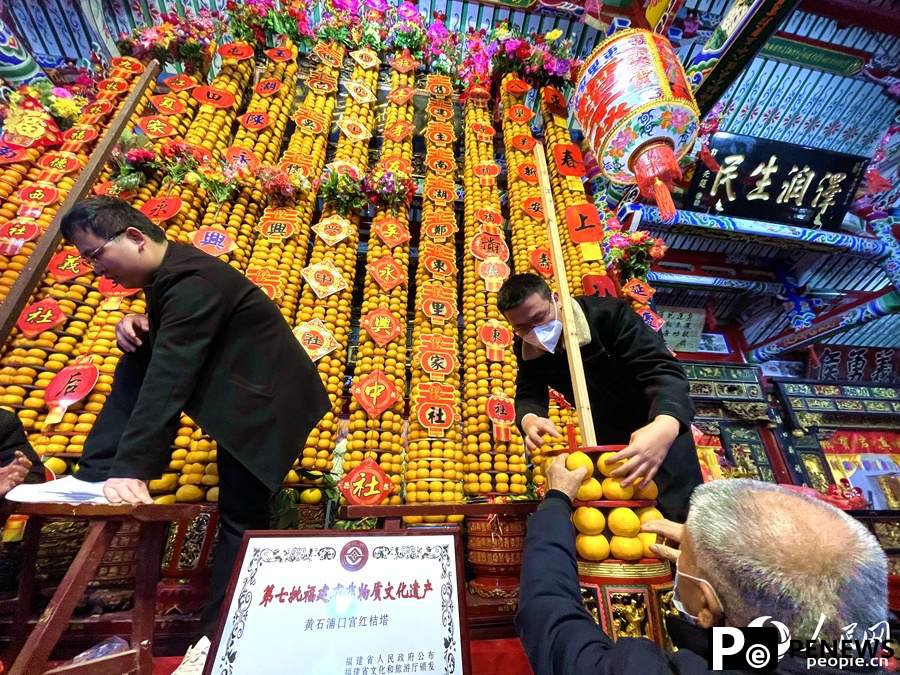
x: 638, y: 112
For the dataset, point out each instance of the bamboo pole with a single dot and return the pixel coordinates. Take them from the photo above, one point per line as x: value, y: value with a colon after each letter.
x: 34, y: 269
x: 573, y: 352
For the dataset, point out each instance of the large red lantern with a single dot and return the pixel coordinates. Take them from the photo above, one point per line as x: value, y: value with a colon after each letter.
x: 638, y: 112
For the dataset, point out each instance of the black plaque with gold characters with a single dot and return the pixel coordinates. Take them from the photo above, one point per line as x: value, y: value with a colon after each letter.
x: 772, y: 181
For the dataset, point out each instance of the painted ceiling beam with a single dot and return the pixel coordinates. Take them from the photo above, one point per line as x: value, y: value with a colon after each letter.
x: 784, y: 236
x: 880, y: 19
x: 874, y: 306
x: 714, y: 283
x: 741, y: 33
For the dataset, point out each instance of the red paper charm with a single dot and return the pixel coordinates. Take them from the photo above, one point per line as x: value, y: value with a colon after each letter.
x: 381, y: 325
x: 439, y: 86
x: 366, y: 58
x: 439, y: 109
x: 437, y: 355
x: 494, y: 272
x: 14, y: 235
x: 277, y: 230
x: 58, y: 161
x: 67, y: 264
x: 403, y: 63
x: 39, y: 316
x: 70, y: 385
x: 387, y: 273
x: 218, y: 98
x: 401, y: 95
x: 542, y: 262
x: 501, y: 411
x: 534, y: 207
x: 333, y: 229
x: 439, y: 261
x: 398, y: 130
x: 213, y: 241
x: 127, y: 64
x: 483, y: 132
x: 110, y: 189
x: 255, y: 121
x: 360, y: 92
x: 391, y: 231
x: 437, y: 303
x: 354, y: 130
x: 333, y: 56
x: 517, y: 87
x: 433, y: 407
x: 321, y: 83
x: 568, y: 159
x: 268, y: 280
x: 440, y: 133
x: 487, y: 172
x: 366, y: 485
x: 441, y: 161
x: 279, y: 54
x: 324, y: 278
x: 315, y: 338
x: 638, y: 291
x: 583, y: 223
x: 267, y: 87
x: 440, y: 194
x: 519, y: 114
x: 79, y: 134
x: 490, y: 218
x: 156, y: 126
x: 496, y: 337
x: 237, y: 51
x: 180, y: 82
x: 374, y: 392
x: 99, y: 108
x: 166, y: 104
x: 523, y: 143
x: 310, y: 121
x: 555, y: 101
x: 160, y: 209
x: 113, y: 289
x: 38, y: 195
x: 242, y: 158
x: 10, y: 154
x: 113, y: 85
x: 485, y: 245
x: 527, y: 171
x: 599, y: 284
x: 439, y: 226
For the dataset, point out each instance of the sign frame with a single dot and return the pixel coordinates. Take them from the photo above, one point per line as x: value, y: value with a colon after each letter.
x: 251, y: 536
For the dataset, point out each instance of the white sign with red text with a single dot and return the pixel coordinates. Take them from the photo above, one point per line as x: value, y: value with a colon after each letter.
x: 382, y: 602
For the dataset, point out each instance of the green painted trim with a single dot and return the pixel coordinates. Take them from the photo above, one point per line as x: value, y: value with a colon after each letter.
x: 799, y: 53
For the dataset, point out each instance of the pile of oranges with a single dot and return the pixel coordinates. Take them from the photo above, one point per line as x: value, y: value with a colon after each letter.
x: 334, y: 310
x: 380, y: 437
x: 567, y: 191
x: 492, y: 467
x: 434, y: 464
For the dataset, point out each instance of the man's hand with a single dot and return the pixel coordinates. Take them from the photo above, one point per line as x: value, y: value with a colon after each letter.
x: 14, y: 473
x: 128, y: 490
x: 129, y: 331
x: 534, y: 427
x: 669, y: 531
x: 560, y: 478
x: 646, y: 450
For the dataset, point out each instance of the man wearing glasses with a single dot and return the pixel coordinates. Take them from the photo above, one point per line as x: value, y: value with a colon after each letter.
x: 212, y: 345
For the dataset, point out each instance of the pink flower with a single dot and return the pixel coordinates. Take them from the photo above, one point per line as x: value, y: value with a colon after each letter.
x: 408, y: 12
x: 61, y: 93
x: 510, y: 46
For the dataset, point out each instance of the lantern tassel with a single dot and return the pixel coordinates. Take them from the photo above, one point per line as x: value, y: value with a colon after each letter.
x: 663, y: 199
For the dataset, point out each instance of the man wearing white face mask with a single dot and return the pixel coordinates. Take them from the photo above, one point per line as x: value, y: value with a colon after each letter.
x: 748, y: 550
x: 638, y: 391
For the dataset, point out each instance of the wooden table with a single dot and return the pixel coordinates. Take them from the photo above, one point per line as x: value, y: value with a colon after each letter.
x: 104, y: 520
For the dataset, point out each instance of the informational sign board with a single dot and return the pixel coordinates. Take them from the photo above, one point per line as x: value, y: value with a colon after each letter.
x: 683, y: 327
x: 777, y: 182
x: 328, y: 603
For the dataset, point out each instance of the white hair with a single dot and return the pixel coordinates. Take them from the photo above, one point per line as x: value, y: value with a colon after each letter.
x: 769, y: 551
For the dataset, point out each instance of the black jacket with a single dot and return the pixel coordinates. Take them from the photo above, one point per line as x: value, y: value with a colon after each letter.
x: 12, y: 438
x: 561, y: 638
x: 221, y: 351
x: 631, y: 377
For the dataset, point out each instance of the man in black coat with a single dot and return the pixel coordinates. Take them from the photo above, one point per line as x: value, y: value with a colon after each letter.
x: 19, y: 462
x: 212, y: 345
x: 747, y: 554
x: 638, y: 391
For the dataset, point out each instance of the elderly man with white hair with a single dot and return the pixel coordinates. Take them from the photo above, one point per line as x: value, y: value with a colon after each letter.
x: 748, y: 550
